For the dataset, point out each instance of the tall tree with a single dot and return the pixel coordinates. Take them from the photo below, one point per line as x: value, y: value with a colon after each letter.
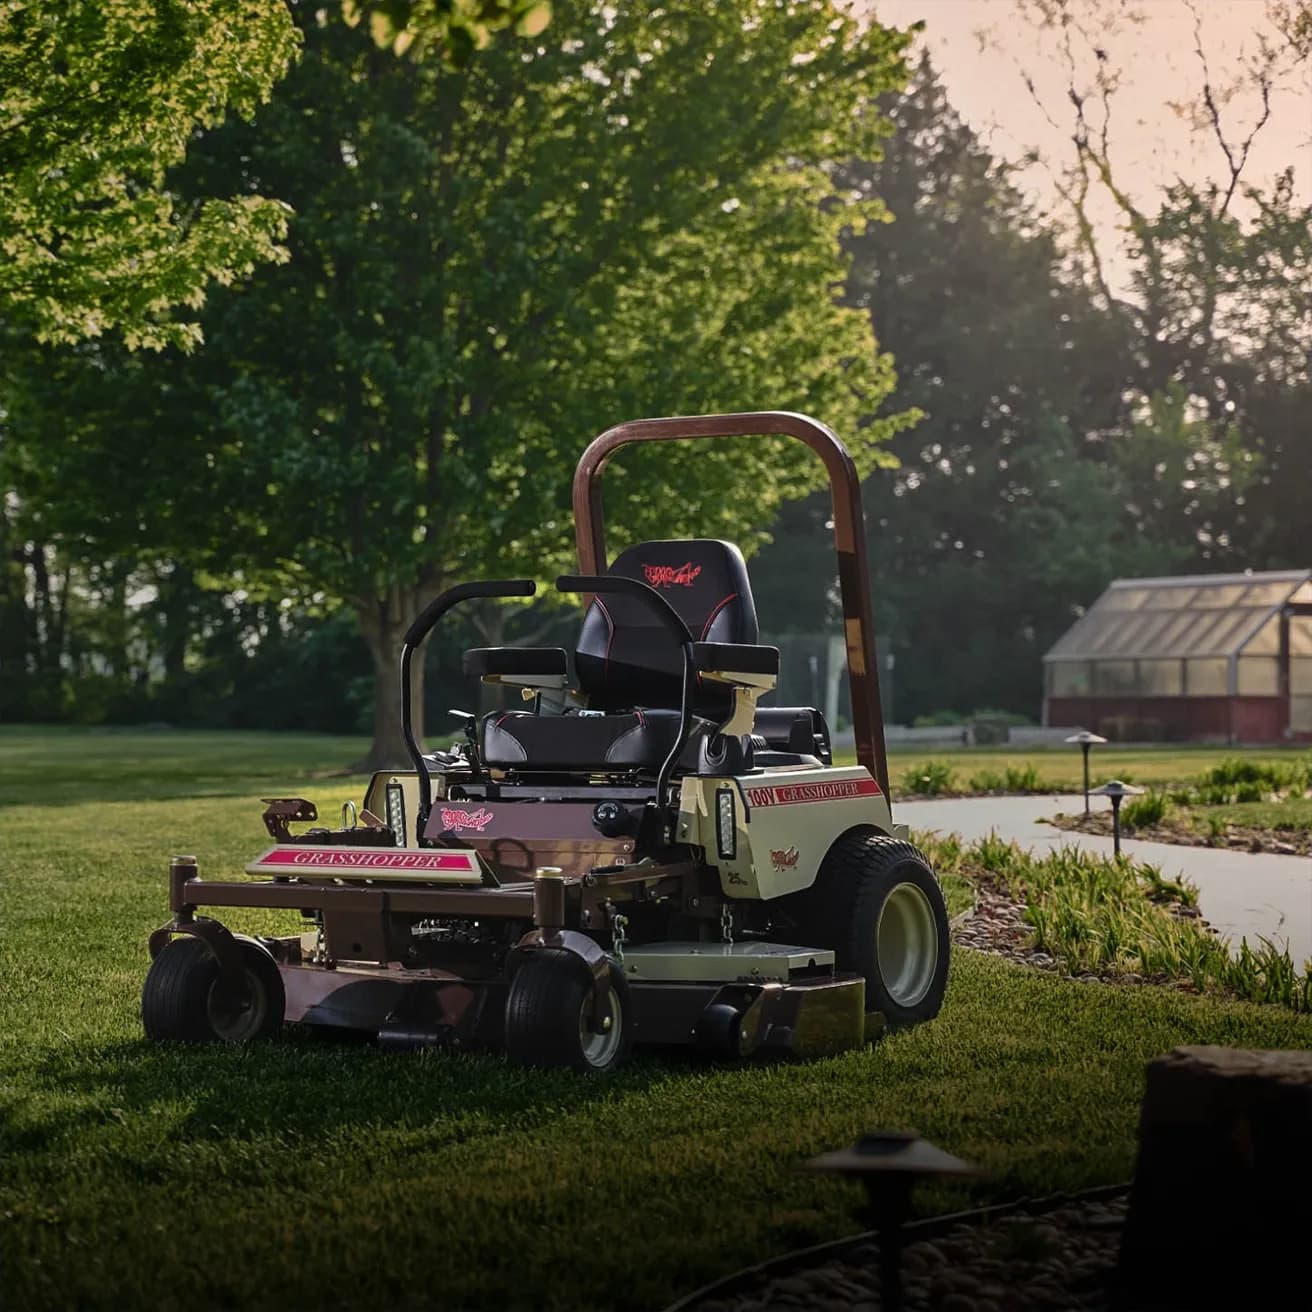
x: 1007, y: 508
x: 100, y: 99
x: 490, y: 265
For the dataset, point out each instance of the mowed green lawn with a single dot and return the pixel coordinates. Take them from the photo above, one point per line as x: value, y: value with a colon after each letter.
x: 1062, y: 767
x: 315, y: 1174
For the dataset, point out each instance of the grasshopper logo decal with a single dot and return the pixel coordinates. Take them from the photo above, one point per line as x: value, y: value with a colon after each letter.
x: 664, y: 576
x: 455, y: 819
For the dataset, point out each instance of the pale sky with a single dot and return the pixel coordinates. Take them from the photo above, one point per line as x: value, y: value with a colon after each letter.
x: 980, y: 46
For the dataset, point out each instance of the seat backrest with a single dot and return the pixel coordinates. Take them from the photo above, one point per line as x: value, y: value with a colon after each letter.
x: 625, y: 658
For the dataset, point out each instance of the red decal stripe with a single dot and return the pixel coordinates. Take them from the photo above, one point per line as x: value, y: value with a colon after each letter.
x: 825, y: 790
x: 364, y: 859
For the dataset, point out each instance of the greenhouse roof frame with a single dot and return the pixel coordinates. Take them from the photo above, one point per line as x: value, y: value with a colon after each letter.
x: 1194, y: 615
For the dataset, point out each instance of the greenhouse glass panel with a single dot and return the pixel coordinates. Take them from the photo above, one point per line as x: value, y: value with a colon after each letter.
x: 1259, y: 676
x: 1199, y: 617
x: 1227, y: 630
x: 1300, y: 714
x: 1219, y: 595
x: 1266, y: 641
x: 1300, y: 677
x: 1169, y: 638
x: 1069, y: 678
x: 1193, y: 637
x: 1300, y: 635
x: 1127, y: 634
x: 1161, y: 678
x: 1267, y: 594
x: 1207, y: 678
x: 1172, y: 598
x: 1113, y: 679
x: 1150, y: 639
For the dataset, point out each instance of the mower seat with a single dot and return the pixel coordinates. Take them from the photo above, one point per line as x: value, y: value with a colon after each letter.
x: 630, y: 668
x: 640, y: 740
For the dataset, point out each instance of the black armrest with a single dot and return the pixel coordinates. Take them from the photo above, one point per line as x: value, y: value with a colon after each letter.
x: 524, y: 662
x: 735, y: 657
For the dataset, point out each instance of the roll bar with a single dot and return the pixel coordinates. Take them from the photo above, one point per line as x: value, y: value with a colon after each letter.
x: 849, y: 538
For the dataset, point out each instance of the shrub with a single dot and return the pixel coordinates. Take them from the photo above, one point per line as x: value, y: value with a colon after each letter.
x: 936, y: 778
x: 1023, y: 779
x: 1097, y: 913
x: 1142, y: 812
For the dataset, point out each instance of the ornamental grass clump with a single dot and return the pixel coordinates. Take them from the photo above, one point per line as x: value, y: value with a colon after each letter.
x: 1146, y: 811
x: 932, y: 778
x: 1115, y: 916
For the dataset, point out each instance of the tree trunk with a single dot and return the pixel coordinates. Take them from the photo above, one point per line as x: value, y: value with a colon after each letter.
x: 16, y: 620
x: 383, y: 622
x: 490, y: 625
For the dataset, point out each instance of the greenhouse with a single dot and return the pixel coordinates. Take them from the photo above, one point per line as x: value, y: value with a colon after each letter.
x: 1202, y: 657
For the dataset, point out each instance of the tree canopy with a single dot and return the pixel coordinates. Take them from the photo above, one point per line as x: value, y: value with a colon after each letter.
x: 488, y: 266
x: 98, y: 100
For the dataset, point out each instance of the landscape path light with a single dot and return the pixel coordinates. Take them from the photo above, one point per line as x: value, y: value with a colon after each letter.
x: 888, y: 1163
x: 1086, y: 740
x: 1118, y: 792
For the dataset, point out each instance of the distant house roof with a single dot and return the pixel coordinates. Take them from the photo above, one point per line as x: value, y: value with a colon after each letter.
x: 1192, y: 615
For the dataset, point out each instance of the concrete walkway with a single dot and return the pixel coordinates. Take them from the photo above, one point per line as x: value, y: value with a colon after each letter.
x: 1242, y: 894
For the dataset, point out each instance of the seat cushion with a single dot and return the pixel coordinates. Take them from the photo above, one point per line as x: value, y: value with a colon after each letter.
x: 638, y: 740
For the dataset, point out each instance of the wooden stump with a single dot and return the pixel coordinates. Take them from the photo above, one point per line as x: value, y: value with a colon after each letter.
x: 1222, y: 1202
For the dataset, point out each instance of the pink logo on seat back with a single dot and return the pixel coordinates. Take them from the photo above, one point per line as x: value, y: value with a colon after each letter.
x: 456, y: 819
x: 664, y: 576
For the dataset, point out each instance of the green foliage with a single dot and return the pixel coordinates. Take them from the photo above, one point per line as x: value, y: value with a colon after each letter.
x: 1098, y: 914
x: 630, y: 215
x: 1266, y: 776
x: 100, y: 99
x: 1011, y: 779
x: 455, y: 29
x: 1023, y: 779
x: 932, y: 778
x: 1146, y: 811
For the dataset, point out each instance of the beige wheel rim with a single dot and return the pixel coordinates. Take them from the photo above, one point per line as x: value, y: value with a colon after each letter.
x: 906, y: 945
x: 599, y: 1049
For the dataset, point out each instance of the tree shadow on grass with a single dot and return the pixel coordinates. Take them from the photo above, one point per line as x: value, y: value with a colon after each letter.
x: 301, y: 1086
x: 52, y: 791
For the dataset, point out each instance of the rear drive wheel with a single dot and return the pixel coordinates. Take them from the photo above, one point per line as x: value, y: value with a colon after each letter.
x: 877, y: 904
x: 181, y: 1000
x: 550, y: 1010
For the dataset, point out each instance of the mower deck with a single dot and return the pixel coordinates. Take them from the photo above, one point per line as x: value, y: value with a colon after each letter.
x: 814, y: 1015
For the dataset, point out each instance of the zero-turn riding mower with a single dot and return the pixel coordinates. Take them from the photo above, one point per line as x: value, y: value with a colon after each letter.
x: 659, y: 861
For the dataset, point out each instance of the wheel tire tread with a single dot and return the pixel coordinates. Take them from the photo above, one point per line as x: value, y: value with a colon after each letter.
x: 542, y: 1011
x: 174, y: 995
x: 846, y: 893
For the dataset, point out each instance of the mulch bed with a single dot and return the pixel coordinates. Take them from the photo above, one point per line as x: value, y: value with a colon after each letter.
x: 1043, y: 1258
x: 1238, y: 838
x: 1053, y: 1258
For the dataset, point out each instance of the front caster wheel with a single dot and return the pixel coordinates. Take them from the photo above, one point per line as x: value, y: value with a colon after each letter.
x: 550, y: 1014
x: 181, y: 1000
